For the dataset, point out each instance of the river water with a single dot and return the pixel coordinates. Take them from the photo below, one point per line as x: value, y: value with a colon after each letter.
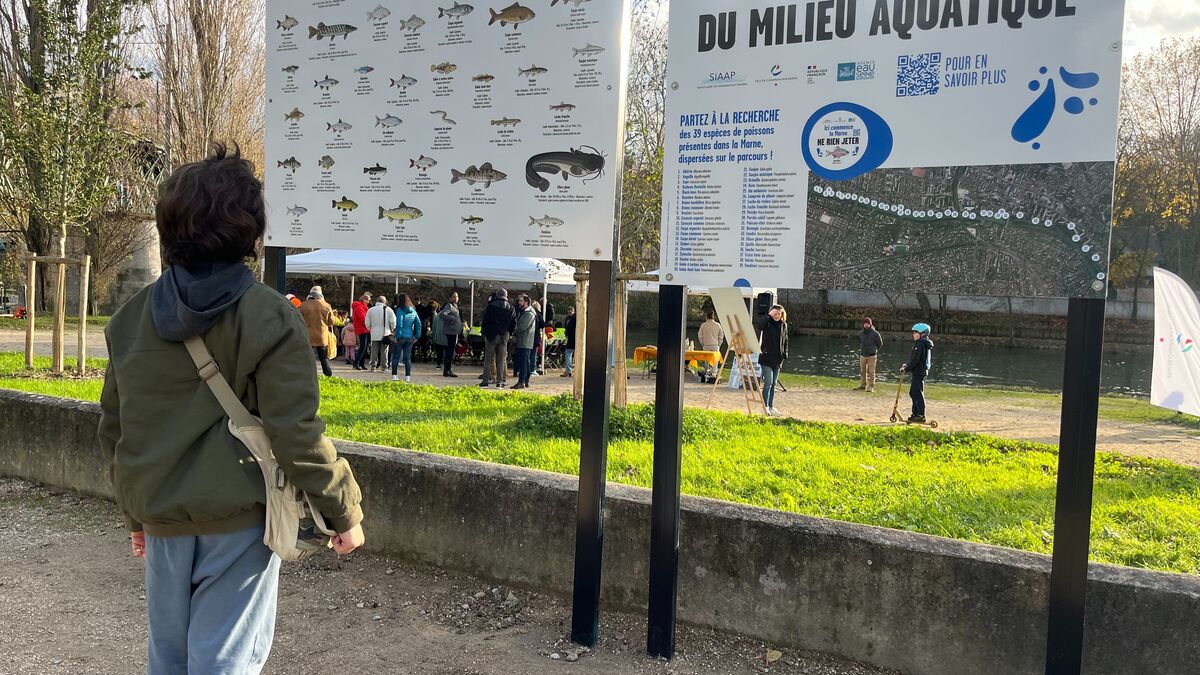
x: 1125, y: 371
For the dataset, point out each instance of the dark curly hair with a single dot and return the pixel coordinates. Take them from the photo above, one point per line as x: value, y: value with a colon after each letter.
x: 211, y: 210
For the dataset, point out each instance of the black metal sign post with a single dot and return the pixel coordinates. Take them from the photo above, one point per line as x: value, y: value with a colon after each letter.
x: 664, y: 507
x: 593, y: 457
x: 275, y: 268
x: 1076, y: 474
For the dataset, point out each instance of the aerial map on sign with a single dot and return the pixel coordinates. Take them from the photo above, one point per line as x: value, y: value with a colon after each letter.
x: 444, y: 127
x: 1024, y: 229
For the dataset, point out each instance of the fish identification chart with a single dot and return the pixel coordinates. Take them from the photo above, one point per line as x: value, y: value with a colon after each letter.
x: 937, y: 146
x: 445, y: 127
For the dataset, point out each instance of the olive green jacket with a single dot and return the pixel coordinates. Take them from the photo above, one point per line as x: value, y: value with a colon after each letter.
x: 176, y: 468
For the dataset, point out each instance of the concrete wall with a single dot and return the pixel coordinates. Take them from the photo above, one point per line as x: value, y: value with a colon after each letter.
x: 920, y: 604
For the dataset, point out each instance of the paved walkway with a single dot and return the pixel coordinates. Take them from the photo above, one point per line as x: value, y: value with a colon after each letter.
x: 73, y: 602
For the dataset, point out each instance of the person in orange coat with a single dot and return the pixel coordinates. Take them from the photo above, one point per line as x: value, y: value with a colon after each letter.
x: 318, y: 316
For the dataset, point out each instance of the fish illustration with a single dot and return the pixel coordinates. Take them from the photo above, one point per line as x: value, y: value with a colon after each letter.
x: 404, y: 82
x: 400, y: 213
x: 339, y: 126
x: 422, y: 163
x: 379, y: 13
x: 387, y: 121
x: 326, y: 162
x: 443, y: 68
x: 483, y: 78
x: 564, y: 2
x: 472, y: 220
x: 514, y: 14
x: 506, y: 122
x: 331, y: 32
x: 485, y: 174
x: 289, y: 163
x: 345, y: 204
x: 377, y: 170
x: 413, y: 23
x: 293, y: 116
x: 288, y: 23
x: 297, y: 211
x: 291, y: 70
x: 584, y: 162
x: 325, y: 83
x: 545, y: 221
x: 589, y: 50
x: 563, y: 107
x: 458, y: 11
x: 532, y: 71
x: 445, y: 116
x: 364, y: 70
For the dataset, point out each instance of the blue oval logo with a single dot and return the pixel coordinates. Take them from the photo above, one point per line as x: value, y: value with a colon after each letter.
x: 844, y: 140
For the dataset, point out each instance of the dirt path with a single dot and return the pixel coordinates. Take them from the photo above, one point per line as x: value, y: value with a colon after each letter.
x: 73, y: 603
x: 1007, y: 417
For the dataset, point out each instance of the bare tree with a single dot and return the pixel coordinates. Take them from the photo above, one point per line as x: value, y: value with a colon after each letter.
x: 1160, y: 176
x: 209, y: 58
x: 644, y: 125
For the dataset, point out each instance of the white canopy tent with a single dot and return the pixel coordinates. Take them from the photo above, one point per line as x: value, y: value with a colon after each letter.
x: 339, y: 262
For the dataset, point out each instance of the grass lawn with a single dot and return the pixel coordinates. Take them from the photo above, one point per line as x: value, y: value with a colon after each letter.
x: 965, y: 486
x: 45, y: 322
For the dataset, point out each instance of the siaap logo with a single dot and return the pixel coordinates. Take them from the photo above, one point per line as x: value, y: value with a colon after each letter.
x: 1185, y: 344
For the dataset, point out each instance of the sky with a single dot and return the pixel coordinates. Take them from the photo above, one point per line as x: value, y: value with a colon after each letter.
x: 1149, y: 21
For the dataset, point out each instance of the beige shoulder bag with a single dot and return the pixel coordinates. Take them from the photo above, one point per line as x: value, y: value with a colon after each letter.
x: 294, y: 528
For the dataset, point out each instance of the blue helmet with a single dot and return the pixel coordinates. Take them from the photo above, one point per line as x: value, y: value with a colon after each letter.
x: 922, y: 328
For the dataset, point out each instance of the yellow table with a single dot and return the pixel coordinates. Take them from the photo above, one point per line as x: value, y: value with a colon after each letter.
x: 648, y: 356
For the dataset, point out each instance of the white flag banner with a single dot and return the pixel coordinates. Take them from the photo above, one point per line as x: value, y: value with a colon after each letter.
x: 1176, y: 381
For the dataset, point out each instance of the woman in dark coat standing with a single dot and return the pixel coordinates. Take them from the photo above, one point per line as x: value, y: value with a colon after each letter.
x: 774, y: 331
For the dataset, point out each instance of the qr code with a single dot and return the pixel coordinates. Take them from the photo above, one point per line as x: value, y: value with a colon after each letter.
x: 919, y: 74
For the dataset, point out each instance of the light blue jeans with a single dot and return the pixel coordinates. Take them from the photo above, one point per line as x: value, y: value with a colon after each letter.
x: 770, y: 378
x: 210, y: 602
x: 569, y: 360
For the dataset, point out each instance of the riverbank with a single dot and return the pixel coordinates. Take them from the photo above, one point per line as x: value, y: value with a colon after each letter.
x: 961, y: 485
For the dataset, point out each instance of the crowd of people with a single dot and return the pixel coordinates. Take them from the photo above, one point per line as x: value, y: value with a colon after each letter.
x: 379, y: 335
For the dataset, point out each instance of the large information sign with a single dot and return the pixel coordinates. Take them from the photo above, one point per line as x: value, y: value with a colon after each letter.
x: 962, y: 146
x: 445, y: 126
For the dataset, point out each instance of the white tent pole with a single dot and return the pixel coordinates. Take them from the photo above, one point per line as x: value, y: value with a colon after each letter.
x: 471, y: 318
x: 545, y: 292
x: 397, y: 288
x: 352, y: 298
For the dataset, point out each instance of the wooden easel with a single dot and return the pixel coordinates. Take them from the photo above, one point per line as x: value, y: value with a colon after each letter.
x: 751, y: 386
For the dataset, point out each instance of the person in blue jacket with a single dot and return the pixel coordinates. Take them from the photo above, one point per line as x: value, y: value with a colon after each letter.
x: 408, y: 331
x: 919, y: 363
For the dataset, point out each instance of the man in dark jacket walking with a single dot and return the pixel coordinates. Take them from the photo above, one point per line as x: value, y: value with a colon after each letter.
x: 569, y: 347
x: 499, y: 321
x: 869, y: 344
x: 524, y: 338
x: 919, y: 363
x: 452, y: 328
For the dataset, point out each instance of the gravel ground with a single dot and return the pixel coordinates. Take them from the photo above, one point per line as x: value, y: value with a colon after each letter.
x: 73, y: 602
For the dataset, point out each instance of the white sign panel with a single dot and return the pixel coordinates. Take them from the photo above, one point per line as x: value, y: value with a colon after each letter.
x: 961, y: 146
x: 445, y: 127
x: 1176, y: 381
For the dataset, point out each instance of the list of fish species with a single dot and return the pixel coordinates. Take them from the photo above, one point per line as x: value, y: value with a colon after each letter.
x: 490, y: 129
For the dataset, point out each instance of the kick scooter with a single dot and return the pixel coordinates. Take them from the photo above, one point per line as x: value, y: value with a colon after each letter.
x: 897, y: 417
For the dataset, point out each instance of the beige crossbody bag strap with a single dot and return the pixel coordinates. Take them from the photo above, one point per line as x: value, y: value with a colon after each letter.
x: 210, y: 372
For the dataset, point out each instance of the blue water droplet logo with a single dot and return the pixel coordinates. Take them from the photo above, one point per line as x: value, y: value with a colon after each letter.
x: 1037, y: 117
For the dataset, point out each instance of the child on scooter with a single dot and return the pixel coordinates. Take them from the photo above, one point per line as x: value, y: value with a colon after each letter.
x: 919, y: 363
